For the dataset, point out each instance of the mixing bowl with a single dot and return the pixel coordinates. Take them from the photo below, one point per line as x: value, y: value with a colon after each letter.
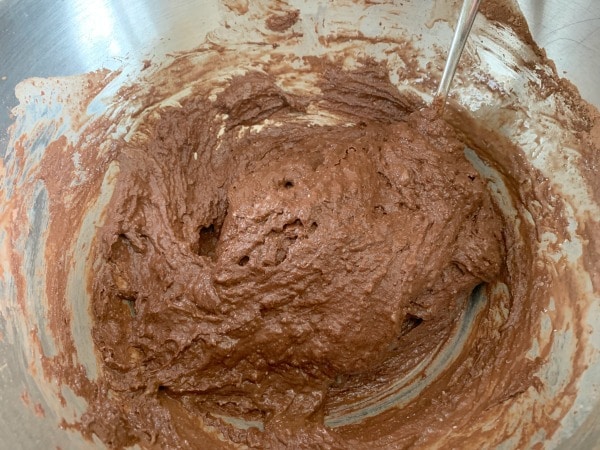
x: 499, y: 82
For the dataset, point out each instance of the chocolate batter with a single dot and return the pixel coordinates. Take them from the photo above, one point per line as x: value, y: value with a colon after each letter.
x: 248, y: 276
x: 301, y: 256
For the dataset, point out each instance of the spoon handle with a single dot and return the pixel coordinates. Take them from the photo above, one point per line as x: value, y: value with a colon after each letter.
x: 463, y: 28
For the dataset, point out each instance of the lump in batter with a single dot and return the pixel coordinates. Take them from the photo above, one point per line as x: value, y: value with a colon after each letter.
x: 255, y: 274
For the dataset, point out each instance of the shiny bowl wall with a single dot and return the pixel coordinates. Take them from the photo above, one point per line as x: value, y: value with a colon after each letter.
x: 84, y: 36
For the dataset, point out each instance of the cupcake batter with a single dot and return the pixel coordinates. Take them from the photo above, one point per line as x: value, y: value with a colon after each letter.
x: 266, y: 272
x: 302, y: 255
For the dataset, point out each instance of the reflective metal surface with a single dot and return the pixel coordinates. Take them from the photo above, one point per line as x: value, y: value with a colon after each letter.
x: 466, y: 18
x: 43, y: 39
x: 64, y: 37
x: 569, y: 31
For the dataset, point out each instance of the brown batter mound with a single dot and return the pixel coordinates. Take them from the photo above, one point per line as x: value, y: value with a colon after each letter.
x: 265, y: 272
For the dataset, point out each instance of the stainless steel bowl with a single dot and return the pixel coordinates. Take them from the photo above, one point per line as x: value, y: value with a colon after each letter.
x: 68, y: 37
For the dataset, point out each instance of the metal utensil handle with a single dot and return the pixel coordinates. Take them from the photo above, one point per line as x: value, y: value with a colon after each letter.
x: 463, y: 28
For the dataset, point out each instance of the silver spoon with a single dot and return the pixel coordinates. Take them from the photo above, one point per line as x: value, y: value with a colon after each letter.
x: 463, y: 28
